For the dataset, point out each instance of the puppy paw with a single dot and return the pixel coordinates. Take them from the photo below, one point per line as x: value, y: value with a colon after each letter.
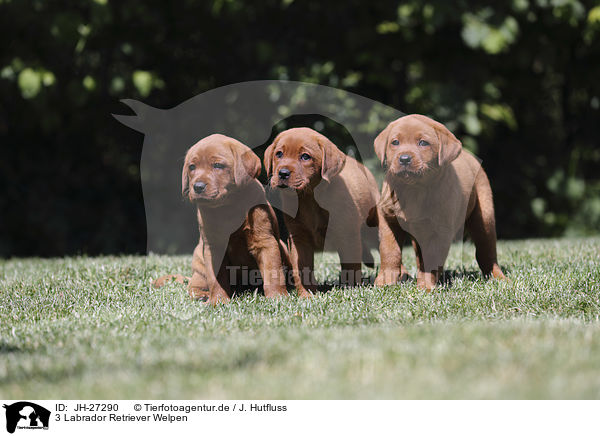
x: 498, y: 274
x: 404, y: 275
x: 380, y: 281
x: 199, y: 294
x: 304, y: 293
x: 426, y: 286
x: 276, y: 293
x: 390, y: 277
x: 427, y: 281
x: 161, y: 281
x: 215, y: 300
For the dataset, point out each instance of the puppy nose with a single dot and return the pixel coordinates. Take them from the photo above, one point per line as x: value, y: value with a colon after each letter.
x: 199, y: 187
x: 405, y: 159
x: 284, y: 173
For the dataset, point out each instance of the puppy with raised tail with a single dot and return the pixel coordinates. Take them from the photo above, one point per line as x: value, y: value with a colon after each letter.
x: 238, y: 228
x: 432, y: 190
x: 336, y: 198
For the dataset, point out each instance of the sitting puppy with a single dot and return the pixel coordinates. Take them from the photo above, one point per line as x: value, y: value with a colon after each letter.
x: 336, y: 198
x: 238, y: 228
x: 432, y: 189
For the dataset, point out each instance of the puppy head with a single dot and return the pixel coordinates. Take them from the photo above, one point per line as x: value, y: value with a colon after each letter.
x: 415, y: 146
x: 299, y: 158
x: 215, y: 167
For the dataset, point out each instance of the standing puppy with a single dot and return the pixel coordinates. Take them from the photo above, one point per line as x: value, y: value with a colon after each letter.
x: 238, y: 228
x: 336, y: 198
x: 432, y: 189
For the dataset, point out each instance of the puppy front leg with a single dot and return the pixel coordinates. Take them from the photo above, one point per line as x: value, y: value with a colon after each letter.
x: 391, y: 237
x: 198, y: 285
x: 271, y: 269
x: 430, y: 261
x: 302, y: 257
x: 264, y: 245
x: 218, y: 285
x: 425, y: 279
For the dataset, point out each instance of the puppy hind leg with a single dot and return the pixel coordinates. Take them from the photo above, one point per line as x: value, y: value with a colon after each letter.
x: 350, y: 252
x: 369, y: 235
x: 351, y: 274
x: 369, y: 240
x: 482, y: 228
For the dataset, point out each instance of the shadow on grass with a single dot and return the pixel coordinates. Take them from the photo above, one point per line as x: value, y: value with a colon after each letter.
x: 447, y: 279
x: 8, y: 348
x: 449, y: 276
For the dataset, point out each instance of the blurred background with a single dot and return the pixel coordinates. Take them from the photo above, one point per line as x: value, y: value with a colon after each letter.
x: 517, y: 82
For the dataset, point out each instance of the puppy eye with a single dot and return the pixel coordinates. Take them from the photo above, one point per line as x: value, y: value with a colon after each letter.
x: 395, y: 142
x: 305, y: 156
x: 218, y: 166
x: 192, y: 167
x: 279, y: 154
x: 423, y: 143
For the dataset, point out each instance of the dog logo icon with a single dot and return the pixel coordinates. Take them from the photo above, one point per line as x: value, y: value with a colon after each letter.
x: 26, y: 415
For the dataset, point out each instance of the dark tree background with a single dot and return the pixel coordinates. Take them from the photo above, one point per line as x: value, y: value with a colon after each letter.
x: 517, y: 82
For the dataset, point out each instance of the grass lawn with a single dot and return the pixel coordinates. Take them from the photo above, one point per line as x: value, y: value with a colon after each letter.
x: 94, y: 328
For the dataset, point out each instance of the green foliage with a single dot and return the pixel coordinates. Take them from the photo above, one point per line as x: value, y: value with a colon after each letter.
x: 145, y: 81
x: 516, y: 82
x: 31, y: 81
x: 478, y: 33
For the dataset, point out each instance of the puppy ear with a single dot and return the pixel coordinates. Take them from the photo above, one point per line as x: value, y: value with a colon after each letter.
x: 333, y: 159
x: 246, y: 164
x: 185, y: 180
x: 450, y: 147
x: 251, y: 167
x: 380, y: 144
x: 268, y: 159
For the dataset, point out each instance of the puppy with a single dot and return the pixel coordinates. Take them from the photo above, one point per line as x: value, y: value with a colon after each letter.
x: 432, y: 189
x: 238, y: 228
x: 336, y: 200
